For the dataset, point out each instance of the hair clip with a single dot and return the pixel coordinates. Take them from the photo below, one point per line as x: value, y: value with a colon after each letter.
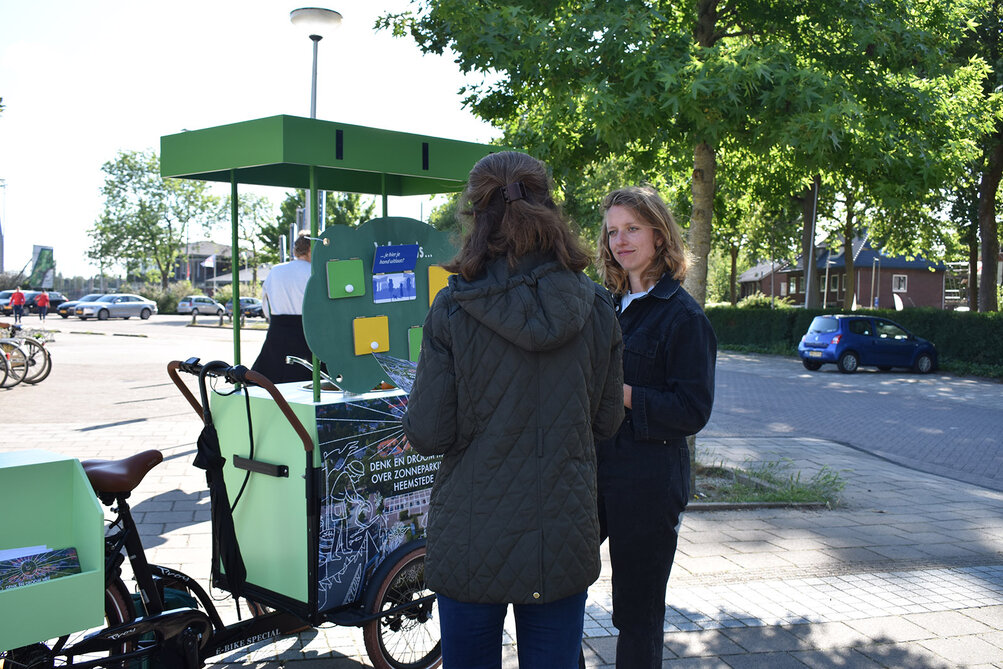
x: 513, y: 191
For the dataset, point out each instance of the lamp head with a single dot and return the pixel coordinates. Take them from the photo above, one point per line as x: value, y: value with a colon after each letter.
x: 315, y: 21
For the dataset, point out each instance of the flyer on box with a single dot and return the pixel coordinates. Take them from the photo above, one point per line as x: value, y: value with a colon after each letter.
x: 38, y: 567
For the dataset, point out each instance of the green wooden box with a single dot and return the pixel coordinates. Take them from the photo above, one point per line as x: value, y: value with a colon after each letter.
x: 47, y: 500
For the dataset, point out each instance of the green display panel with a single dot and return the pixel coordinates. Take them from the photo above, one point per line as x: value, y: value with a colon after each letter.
x: 48, y: 501
x: 270, y: 519
x: 343, y: 327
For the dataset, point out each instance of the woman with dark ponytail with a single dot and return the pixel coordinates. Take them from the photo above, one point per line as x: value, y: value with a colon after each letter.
x: 520, y: 372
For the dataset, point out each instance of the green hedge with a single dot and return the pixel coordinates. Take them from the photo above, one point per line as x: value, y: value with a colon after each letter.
x: 967, y: 342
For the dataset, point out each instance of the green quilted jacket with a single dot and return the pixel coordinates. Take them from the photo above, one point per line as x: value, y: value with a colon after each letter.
x: 520, y: 372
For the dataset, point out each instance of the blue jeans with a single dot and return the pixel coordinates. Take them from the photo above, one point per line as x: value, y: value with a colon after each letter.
x: 549, y: 636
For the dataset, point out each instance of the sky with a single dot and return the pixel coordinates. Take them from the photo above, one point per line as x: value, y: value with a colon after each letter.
x: 82, y: 81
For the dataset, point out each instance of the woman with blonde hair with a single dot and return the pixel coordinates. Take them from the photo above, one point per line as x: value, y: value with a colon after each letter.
x: 519, y: 375
x: 668, y: 373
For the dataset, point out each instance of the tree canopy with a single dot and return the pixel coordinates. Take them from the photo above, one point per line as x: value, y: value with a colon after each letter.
x: 146, y: 217
x: 834, y: 89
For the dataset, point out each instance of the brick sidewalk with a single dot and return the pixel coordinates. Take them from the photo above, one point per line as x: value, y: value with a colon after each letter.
x: 906, y: 572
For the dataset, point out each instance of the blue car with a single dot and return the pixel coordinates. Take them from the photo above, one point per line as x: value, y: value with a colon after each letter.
x: 850, y: 342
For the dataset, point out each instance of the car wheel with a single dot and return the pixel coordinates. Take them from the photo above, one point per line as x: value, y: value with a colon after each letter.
x: 219, y: 312
x: 103, y: 315
x: 923, y: 364
x: 885, y: 368
x: 145, y: 314
x: 64, y: 315
x: 811, y: 365
x: 848, y: 362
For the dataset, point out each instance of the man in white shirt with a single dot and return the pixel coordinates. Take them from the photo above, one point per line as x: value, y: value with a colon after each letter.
x: 282, y: 303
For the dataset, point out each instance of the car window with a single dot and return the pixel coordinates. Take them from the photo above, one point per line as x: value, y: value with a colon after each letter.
x: 861, y: 327
x: 888, y: 330
x: 822, y: 324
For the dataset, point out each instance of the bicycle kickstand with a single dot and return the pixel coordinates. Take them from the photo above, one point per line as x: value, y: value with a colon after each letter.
x: 190, y: 648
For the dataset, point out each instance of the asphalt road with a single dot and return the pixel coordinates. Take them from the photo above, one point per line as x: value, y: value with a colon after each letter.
x: 936, y: 423
x: 112, y: 371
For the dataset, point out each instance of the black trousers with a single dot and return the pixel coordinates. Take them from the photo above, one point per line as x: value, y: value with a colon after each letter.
x: 643, y: 490
x: 285, y: 337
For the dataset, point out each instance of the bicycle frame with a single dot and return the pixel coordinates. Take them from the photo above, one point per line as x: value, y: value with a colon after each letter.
x: 191, y: 634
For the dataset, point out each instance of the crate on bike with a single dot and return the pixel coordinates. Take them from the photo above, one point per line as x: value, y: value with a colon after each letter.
x: 49, y: 507
x: 314, y: 527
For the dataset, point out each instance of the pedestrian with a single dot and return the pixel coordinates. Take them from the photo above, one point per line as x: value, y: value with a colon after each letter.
x: 17, y: 304
x: 42, y: 302
x: 282, y: 304
x: 519, y: 374
x: 668, y: 372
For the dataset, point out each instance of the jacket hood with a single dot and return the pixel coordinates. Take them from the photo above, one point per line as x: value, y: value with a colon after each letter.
x: 537, y: 305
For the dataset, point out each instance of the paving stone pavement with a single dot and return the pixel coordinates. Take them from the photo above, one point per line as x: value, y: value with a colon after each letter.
x: 906, y: 572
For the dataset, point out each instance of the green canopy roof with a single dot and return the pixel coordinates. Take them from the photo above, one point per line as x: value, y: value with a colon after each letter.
x: 280, y: 150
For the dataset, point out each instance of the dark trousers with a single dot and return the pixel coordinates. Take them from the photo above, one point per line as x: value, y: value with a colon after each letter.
x: 284, y: 337
x: 643, y: 490
x: 549, y: 636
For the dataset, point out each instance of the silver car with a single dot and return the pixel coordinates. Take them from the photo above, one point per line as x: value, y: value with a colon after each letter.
x: 199, y: 305
x: 116, y: 305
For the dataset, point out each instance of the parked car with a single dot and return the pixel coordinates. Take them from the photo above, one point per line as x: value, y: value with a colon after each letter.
x: 116, y: 305
x: 55, y: 299
x: 66, y: 308
x: 200, y: 304
x: 5, y: 307
x: 249, y: 306
x: 854, y: 341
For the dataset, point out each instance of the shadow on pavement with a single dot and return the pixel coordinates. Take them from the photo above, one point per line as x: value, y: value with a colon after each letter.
x: 794, y: 647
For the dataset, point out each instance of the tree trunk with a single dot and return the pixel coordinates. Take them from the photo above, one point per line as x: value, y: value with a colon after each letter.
x: 811, y: 280
x: 848, y: 234
x: 734, y: 274
x: 704, y: 167
x: 973, y: 273
x: 988, y: 230
x: 809, y: 213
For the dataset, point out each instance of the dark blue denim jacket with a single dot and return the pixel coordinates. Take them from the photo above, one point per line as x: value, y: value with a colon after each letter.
x: 669, y: 354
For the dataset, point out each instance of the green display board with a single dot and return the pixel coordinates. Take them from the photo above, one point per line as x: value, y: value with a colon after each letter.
x: 351, y: 311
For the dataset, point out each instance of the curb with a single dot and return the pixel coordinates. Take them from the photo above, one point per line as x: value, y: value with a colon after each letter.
x: 752, y: 506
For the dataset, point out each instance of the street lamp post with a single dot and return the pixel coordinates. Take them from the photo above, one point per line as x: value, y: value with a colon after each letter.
x: 315, y: 21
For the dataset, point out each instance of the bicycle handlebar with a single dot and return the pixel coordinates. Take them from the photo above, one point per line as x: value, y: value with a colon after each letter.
x: 235, y: 375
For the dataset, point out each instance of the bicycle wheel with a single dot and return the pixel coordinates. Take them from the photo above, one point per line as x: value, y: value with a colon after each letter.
x: 50, y: 654
x: 407, y: 639
x: 17, y: 362
x: 39, y: 361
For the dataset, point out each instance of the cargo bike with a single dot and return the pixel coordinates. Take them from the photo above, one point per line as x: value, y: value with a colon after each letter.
x: 318, y: 503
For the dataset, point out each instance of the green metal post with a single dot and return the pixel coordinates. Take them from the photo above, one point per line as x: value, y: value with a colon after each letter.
x: 314, y: 228
x: 234, y: 266
x: 383, y: 190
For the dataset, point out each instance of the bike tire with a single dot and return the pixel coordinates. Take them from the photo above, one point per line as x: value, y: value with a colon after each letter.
x: 48, y: 654
x: 408, y: 639
x: 39, y: 361
x: 17, y: 363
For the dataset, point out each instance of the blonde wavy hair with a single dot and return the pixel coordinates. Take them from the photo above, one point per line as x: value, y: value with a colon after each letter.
x: 670, y: 256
